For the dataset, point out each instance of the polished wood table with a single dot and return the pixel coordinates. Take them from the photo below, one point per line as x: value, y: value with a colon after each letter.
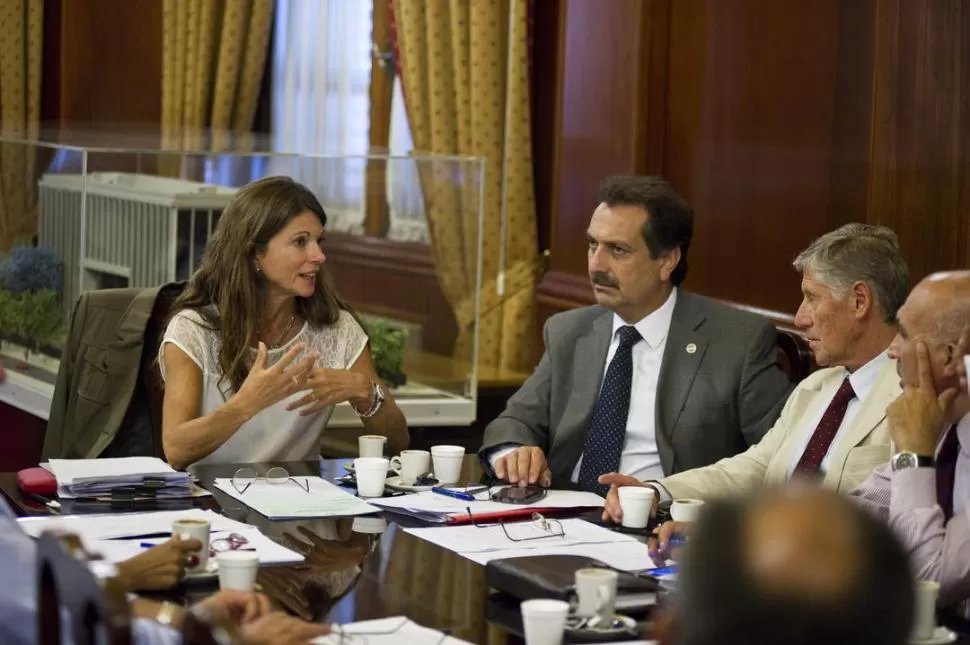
x: 355, y: 569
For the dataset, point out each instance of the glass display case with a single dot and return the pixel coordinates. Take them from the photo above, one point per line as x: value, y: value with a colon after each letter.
x: 99, y: 211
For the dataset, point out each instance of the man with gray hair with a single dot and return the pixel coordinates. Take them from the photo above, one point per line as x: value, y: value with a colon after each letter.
x: 833, y: 426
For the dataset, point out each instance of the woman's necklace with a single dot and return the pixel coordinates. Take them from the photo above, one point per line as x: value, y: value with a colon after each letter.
x: 282, y: 335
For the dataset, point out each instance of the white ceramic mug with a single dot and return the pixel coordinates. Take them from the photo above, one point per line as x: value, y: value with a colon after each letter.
x: 237, y: 569
x: 636, y: 502
x: 411, y: 464
x: 924, y: 616
x: 596, y: 592
x: 371, y: 445
x: 686, y: 510
x: 544, y: 621
x: 371, y: 473
x: 194, y: 529
x: 447, y: 463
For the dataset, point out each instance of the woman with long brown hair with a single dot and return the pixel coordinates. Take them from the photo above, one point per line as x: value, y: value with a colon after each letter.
x: 260, y: 347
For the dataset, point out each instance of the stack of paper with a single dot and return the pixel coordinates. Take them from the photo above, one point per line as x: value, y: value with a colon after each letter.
x: 386, y: 631
x: 269, y: 552
x: 290, y: 501
x: 440, y: 509
x: 97, y: 527
x: 143, y: 477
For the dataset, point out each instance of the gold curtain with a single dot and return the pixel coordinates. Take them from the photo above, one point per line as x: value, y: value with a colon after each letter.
x: 213, y: 56
x: 21, y: 46
x: 454, y: 59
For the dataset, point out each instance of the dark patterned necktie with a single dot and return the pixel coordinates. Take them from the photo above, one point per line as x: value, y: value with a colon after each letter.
x: 607, y: 428
x: 946, y: 471
x: 827, y: 428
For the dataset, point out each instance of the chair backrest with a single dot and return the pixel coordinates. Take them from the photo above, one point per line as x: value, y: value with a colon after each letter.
x: 67, y: 585
x: 794, y: 355
x: 151, y: 376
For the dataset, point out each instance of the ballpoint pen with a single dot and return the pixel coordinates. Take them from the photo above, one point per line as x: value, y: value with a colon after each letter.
x: 457, y: 494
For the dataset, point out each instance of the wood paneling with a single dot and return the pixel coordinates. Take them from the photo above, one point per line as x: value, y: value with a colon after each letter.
x: 920, y: 175
x: 110, y: 62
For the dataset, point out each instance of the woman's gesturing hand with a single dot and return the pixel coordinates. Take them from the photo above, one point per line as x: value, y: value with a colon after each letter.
x: 332, y: 386
x: 266, y: 386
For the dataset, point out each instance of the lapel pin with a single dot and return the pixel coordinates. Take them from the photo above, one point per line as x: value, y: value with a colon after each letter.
x: 691, y: 348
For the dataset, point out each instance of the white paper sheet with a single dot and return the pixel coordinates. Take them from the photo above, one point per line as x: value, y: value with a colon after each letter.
x: 124, y: 525
x: 625, y: 556
x: 289, y: 501
x: 387, y: 631
x: 434, y: 504
x: 469, y: 538
x: 269, y: 552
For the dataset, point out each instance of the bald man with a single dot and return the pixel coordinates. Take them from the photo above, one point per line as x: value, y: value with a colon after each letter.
x: 925, y: 489
x: 795, y: 568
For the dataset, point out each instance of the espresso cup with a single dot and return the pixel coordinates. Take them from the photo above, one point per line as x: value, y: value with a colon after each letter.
x: 237, y: 570
x: 544, y: 621
x: 371, y: 473
x: 686, y: 510
x: 596, y: 593
x: 371, y: 445
x: 447, y: 463
x: 193, y: 529
x: 924, y: 616
x: 411, y: 464
x: 636, y: 502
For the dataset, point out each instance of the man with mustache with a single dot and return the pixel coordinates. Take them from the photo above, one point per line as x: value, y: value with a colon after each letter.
x: 650, y: 381
x: 833, y: 428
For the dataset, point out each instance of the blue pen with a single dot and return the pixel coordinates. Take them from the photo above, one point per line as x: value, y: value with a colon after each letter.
x: 662, y: 571
x: 457, y: 494
x: 147, y: 545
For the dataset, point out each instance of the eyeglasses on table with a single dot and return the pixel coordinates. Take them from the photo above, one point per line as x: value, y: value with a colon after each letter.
x: 277, y: 475
x: 547, y: 527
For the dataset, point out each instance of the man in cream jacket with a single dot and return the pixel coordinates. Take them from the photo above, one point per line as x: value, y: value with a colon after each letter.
x: 833, y: 427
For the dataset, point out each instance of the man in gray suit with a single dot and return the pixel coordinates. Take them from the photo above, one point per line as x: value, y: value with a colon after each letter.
x: 652, y: 380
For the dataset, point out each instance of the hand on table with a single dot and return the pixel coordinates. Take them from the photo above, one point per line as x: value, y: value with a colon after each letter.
x: 666, y: 541
x: 524, y: 466
x: 278, y: 628
x: 612, y: 511
x: 160, y: 567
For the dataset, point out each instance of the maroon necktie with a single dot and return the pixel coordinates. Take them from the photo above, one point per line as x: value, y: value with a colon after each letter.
x: 946, y: 471
x: 827, y: 428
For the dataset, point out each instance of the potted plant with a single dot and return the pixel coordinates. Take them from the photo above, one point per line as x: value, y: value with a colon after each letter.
x: 30, y: 308
x: 387, y: 350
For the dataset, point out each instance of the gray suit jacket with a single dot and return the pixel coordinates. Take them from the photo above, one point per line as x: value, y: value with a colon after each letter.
x: 711, y: 404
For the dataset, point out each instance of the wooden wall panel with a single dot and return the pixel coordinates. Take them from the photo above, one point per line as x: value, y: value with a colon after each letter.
x: 110, y: 62
x: 920, y: 178
x: 751, y: 105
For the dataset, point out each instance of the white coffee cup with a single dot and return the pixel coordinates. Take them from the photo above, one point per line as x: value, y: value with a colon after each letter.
x: 924, y: 616
x: 636, y: 503
x: 370, y: 472
x: 447, y: 463
x: 596, y: 592
x: 544, y: 621
x: 371, y: 445
x: 237, y: 569
x: 194, y: 529
x: 686, y: 510
x: 411, y: 464
x: 369, y: 525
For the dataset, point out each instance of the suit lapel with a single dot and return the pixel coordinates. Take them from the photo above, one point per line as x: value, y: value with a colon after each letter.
x: 804, y: 406
x: 872, y: 413
x: 589, y: 361
x: 682, y: 357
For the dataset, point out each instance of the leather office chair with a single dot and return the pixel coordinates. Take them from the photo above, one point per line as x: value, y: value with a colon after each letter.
x: 794, y: 355
x: 66, y: 584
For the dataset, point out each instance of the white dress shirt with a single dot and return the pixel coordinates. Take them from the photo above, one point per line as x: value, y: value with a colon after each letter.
x: 862, y: 380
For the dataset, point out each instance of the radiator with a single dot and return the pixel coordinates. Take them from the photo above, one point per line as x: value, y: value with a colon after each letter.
x: 138, y: 230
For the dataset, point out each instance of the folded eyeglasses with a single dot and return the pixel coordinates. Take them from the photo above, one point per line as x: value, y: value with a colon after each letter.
x: 277, y: 475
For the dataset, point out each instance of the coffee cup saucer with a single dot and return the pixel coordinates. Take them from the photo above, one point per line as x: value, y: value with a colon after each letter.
x: 941, y: 635
x: 211, y: 573
x: 394, y: 483
x: 621, y: 625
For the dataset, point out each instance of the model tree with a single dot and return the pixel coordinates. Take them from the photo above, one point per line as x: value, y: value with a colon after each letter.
x: 387, y: 350
x: 30, y: 307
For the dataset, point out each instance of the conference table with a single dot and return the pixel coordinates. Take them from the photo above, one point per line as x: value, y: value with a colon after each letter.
x: 356, y: 568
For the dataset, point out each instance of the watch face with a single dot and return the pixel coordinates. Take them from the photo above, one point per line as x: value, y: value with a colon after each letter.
x: 904, y: 460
